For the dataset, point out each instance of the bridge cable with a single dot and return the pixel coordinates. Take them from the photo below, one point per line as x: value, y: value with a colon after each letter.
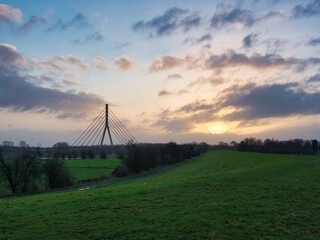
x: 133, y: 138
x: 115, y: 124
x: 88, y: 127
x: 100, y: 124
x: 115, y: 128
x: 92, y: 129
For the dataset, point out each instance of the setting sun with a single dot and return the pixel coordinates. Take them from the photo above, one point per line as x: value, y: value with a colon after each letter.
x: 218, y: 128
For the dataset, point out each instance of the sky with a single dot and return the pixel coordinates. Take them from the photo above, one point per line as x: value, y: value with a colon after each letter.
x: 183, y: 71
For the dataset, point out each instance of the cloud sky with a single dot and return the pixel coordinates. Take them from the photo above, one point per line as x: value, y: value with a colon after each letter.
x: 225, y: 69
x: 8, y: 14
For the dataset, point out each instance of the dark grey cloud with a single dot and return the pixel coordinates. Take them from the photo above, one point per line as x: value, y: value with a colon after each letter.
x: 314, y: 41
x: 227, y: 16
x: 233, y: 16
x: 93, y: 37
x: 189, y: 22
x: 171, y: 20
x: 17, y: 93
x: 311, y: 8
x: 268, y: 101
x: 249, y: 40
x: 78, y: 20
x: 32, y: 22
x: 252, y: 103
x: 9, y: 54
x: 198, y: 105
x: 314, y: 78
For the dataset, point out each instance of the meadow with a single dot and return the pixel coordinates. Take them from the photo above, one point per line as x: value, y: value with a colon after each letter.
x: 82, y: 169
x: 220, y: 195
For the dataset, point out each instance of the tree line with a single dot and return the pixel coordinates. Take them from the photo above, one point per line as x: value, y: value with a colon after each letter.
x: 294, y: 146
x: 143, y: 157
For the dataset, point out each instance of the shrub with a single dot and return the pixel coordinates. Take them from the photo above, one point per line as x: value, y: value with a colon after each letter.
x: 121, y: 171
x: 56, y: 174
x: 103, y: 155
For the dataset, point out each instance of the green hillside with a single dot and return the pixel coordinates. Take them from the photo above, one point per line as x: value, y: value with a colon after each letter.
x: 222, y: 195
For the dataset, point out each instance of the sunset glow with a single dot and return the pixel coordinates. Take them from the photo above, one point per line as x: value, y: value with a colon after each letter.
x: 171, y: 71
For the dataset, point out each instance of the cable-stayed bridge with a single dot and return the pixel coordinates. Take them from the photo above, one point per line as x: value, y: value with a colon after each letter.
x: 105, y: 122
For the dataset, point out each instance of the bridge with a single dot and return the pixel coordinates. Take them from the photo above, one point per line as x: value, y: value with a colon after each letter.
x: 105, y: 122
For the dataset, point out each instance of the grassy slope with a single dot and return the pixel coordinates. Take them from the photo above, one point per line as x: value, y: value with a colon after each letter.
x: 223, y: 195
x: 90, y: 168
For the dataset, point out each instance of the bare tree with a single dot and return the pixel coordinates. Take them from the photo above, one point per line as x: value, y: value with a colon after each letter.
x: 7, y: 143
x: 56, y: 173
x: 22, y: 144
x: 20, y: 171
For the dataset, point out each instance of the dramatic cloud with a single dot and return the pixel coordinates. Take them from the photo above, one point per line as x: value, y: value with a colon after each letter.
x: 77, y: 21
x: 174, y: 76
x: 93, y: 37
x: 9, y: 14
x: 267, y: 101
x: 165, y: 63
x: 314, y: 42
x: 18, y: 94
x: 249, y: 40
x: 314, y: 78
x: 101, y: 64
x: 310, y: 9
x: 189, y: 22
x: 243, y: 17
x: 198, y: 105
x: 245, y: 105
x: 10, y: 56
x: 233, y: 59
x: 124, y: 63
x: 33, y: 21
x: 186, y: 117
x: 164, y: 93
x: 233, y: 16
x: 173, y: 19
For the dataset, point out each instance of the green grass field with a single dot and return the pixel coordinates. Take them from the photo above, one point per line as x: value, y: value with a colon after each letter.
x: 222, y: 195
x: 82, y: 169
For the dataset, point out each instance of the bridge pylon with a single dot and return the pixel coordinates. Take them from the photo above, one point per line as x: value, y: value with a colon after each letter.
x: 106, y: 127
x: 95, y: 133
